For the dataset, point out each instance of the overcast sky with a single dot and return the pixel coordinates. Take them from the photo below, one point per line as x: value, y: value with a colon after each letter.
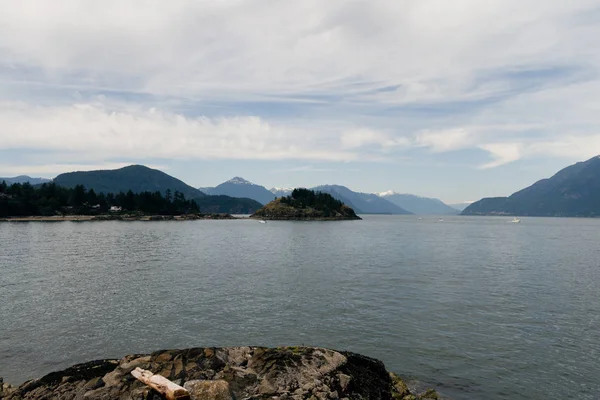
x: 457, y: 99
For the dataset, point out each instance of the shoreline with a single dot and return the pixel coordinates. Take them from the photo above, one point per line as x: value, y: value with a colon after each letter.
x: 124, y: 217
x: 227, y: 373
x: 186, y: 217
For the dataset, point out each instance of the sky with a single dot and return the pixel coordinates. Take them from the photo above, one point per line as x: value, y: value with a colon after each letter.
x: 457, y: 100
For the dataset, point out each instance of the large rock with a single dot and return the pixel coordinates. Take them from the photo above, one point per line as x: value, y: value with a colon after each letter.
x: 293, y: 373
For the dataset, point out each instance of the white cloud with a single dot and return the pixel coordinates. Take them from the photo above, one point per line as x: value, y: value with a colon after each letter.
x: 503, y: 153
x: 357, y: 138
x: 577, y: 147
x: 431, y: 48
x: 98, y: 131
x: 367, y: 54
x: 445, y: 140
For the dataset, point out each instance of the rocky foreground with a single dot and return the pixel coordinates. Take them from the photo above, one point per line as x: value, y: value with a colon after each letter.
x: 226, y: 374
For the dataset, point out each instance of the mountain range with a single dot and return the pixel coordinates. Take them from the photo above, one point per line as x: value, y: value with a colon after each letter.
x: 460, y: 206
x: 239, y: 187
x: 418, y: 204
x: 25, y: 179
x: 139, y: 178
x: 281, y: 192
x: 572, y: 192
x: 362, y: 203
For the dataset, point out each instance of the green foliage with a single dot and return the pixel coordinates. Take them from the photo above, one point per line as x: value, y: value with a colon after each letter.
x: 51, y: 199
x: 226, y: 204
x: 136, y: 178
x: 303, y: 198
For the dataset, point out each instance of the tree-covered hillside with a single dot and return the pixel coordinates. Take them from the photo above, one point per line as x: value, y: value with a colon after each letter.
x: 51, y: 199
x: 572, y: 192
x: 137, y: 178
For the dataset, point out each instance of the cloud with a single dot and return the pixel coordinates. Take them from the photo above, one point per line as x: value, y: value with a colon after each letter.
x: 503, y: 153
x: 429, y: 49
x: 363, y: 80
x: 97, y: 130
x: 303, y: 168
x: 444, y: 140
x: 357, y: 138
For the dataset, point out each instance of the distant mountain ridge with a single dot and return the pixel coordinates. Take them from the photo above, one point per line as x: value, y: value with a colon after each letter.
x: 281, y: 192
x: 572, y: 192
x: 418, y: 204
x: 139, y: 178
x: 362, y: 203
x: 240, y: 187
x: 25, y: 179
x: 460, y: 206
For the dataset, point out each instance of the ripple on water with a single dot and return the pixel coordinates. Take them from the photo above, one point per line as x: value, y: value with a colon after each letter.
x: 475, y: 307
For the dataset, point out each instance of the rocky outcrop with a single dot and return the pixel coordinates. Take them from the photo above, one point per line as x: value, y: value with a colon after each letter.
x: 293, y: 373
x: 276, y: 210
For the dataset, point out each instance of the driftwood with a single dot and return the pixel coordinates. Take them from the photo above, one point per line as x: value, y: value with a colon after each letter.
x: 162, y: 385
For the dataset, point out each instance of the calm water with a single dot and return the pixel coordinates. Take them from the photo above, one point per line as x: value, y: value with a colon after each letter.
x: 476, y: 307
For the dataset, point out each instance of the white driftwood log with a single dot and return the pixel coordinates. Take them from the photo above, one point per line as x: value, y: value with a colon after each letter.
x: 162, y: 385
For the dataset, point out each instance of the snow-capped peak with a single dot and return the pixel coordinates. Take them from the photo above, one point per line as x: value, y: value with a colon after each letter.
x: 281, y: 189
x: 391, y: 193
x: 237, y: 180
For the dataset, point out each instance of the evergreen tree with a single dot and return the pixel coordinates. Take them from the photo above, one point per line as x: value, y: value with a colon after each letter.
x: 50, y: 199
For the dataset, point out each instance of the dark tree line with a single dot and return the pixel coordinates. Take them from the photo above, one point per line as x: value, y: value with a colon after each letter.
x: 302, y: 198
x: 51, y: 199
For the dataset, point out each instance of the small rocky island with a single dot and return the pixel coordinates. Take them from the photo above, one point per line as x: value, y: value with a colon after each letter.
x: 285, y: 373
x: 306, y: 205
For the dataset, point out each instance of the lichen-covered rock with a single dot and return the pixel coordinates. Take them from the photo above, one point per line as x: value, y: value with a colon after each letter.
x: 208, y: 390
x: 284, y: 373
x: 401, y: 388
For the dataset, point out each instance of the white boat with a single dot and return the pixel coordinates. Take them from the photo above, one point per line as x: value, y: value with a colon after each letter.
x: 262, y: 221
x: 515, y: 220
x: 441, y: 220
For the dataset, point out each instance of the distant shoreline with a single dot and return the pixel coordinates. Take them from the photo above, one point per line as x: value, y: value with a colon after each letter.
x: 126, y: 217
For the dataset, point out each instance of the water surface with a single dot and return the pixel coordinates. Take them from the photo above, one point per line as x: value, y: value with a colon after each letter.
x: 476, y: 307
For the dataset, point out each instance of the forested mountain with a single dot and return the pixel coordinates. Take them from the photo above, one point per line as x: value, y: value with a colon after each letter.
x: 572, y: 192
x: 137, y: 178
x: 227, y: 204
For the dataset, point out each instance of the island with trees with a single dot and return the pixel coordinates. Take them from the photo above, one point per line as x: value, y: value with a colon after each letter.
x: 306, y: 205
